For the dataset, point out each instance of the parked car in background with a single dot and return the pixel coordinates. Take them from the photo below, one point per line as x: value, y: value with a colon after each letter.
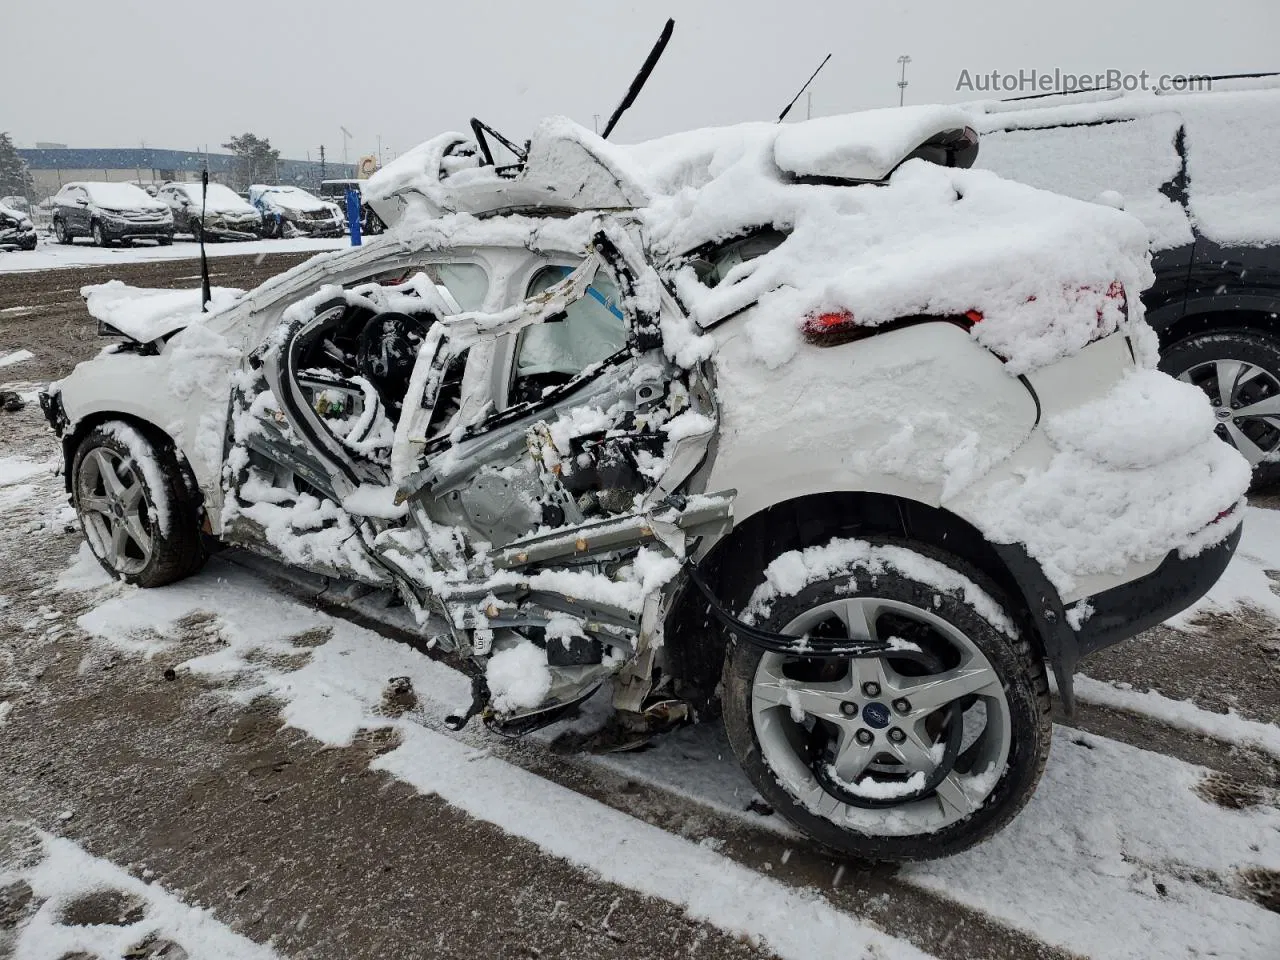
x: 335, y: 191
x: 21, y: 204
x: 16, y: 230
x: 1200, y: 171
x: 222, y: 214
x: 289, y: 211
x: 855, y: 460
x: 108, y: 212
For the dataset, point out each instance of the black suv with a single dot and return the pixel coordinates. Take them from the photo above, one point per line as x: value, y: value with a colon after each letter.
x: 1198, y: 170
x: 108, y: 212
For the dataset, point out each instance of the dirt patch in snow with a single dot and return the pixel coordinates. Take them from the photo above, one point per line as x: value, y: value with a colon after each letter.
x: 1230, y: 662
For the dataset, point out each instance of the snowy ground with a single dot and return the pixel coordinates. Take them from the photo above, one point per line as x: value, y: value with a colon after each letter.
x: 223, y: 764
x: 50, y: 255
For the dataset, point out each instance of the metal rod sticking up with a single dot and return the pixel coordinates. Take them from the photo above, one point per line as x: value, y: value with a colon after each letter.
x: 647, y: 68
x: 783, y: 115
x: 205, y: 294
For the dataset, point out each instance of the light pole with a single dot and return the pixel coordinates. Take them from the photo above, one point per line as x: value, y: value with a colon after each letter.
x: 902, y: 83
x: 346, y: 135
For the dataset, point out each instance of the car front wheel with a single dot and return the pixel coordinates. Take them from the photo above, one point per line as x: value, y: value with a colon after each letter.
x: 99, y: 235
x: 61, y: 232
x: 139, y: 510
x: 916, y: 754
x: 1239, y: 370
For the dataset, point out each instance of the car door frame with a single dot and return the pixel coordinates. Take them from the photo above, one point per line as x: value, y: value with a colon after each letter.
x: 417, y: 462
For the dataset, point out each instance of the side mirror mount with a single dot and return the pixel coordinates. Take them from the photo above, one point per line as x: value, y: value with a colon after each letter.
x: 81, y: 202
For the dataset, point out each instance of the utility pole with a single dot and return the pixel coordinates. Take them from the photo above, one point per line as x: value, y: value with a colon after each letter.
x: 346, y: 135
x: 322, y: 161
x: 596, y: 120
x: 902, y: 83
x: 808, y: 111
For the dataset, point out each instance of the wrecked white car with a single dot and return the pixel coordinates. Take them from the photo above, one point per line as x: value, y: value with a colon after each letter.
x: 805, y: 423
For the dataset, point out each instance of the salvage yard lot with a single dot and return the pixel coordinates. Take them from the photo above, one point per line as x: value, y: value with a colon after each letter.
x: 237, y: 745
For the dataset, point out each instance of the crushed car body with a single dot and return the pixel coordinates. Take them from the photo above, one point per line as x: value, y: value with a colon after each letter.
x: 809, y: 424
x: 16, y: 229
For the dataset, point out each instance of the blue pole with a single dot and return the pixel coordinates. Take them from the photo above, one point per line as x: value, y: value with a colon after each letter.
x: 353, y: 215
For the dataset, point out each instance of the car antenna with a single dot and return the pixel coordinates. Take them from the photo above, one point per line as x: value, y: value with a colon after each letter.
x: 647, y: 68
x: 783, y: 115
x: 205, y: 295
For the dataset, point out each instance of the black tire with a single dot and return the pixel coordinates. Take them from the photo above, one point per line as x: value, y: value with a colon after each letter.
x: 60, y: 231
x: 165, y: 241
x: 176, y: 552
x: 100, y: 236
x: 1248, y: 346
x: 196, y: 229
x: 1020, y: 672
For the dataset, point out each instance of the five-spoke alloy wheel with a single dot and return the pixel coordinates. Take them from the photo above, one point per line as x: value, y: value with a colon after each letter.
x: 918, y: 753
x: 140, y: 510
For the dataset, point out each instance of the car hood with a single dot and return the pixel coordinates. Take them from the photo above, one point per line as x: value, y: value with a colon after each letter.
x: 146, y: 315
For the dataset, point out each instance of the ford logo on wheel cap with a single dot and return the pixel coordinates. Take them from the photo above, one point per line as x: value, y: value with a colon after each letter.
x: 876, y: 715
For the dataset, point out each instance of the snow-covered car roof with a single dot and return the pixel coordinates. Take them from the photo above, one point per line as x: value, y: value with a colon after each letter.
x: 221, y: 197
x: 286, y: 195
x: 1088, y: 143
x: 118, y: 194
x: 570, y: 168
x: 922, y: 240
x: 9, y: 211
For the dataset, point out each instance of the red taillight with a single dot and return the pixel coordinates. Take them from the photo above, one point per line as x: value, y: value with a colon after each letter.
x: 831, y: 322
x: 1223, y: 515
x: 833, y: 327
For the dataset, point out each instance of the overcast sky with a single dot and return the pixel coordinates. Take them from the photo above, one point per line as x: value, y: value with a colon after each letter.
x: 181, y: 74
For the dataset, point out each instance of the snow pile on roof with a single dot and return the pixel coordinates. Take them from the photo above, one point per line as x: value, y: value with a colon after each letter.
x: 122, y: 195
x: 930, y: 241
x: 289, y: 198
x: 147, y: 314
x: 569, y: 167
x: 221, y: 198
x: 861, y: 146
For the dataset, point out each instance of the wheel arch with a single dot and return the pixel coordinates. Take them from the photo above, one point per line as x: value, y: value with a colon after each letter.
x: 695, y: 642
x: 1259, y: 317
x: 76, y: 434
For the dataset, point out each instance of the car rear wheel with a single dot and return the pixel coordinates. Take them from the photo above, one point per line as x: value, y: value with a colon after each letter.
x: 915, y: 755
x: 139, y: 509
x: 1239, y: 370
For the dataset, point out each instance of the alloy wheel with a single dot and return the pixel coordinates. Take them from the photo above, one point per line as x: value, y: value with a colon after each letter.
x: 924, y: 732
x: 1246, y: 403
x: 113, y: 508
